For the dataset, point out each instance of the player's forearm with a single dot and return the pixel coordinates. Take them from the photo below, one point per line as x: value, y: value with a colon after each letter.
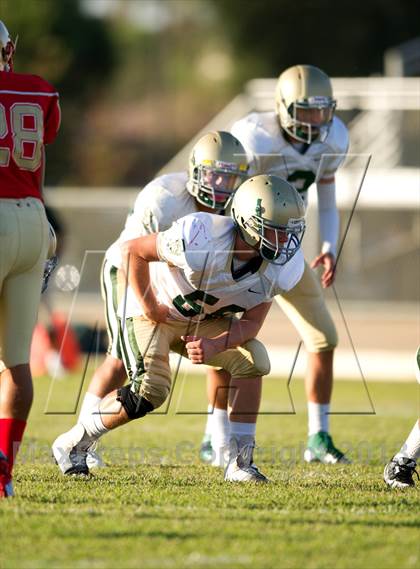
x: 240, y: 332
x: 329, y: 225
x: 329, y: 221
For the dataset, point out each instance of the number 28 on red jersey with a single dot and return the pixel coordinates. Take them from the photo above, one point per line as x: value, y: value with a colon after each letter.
x: 29, y: 118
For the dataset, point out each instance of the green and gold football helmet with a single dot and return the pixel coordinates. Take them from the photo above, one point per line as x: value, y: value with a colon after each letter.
x: 218, y: 165
x: 269, y: 214
x: 304, y: 103
x: 7, y: 49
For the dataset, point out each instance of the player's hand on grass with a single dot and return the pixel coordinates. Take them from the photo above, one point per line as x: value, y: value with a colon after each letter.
x: 159, y: 313
x: 200, y: 350
x: 327, y: 260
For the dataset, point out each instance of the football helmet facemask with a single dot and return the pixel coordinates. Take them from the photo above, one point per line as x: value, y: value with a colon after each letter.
x: 217, y: 166
x: 7, y: 49
x: 269, y: 214
x: 304, y: 103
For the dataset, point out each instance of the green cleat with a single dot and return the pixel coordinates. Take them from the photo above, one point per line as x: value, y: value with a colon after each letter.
x: 321, y: 449
x: 206, y: 450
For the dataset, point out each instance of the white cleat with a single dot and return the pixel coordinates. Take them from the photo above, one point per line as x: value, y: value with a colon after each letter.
x: 240, y: 467
x: 94, y: 459
x: 70, y: 450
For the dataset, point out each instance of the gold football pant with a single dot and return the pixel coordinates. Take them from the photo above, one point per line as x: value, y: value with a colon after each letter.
x: 146, y: 347
x: 24, y: 241
x: 305, y: 307
x: 111, y: 291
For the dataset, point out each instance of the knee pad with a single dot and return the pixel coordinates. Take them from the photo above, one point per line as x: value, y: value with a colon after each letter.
x: 250, y: 360
x: 262, y: 365
x: 135, y: 406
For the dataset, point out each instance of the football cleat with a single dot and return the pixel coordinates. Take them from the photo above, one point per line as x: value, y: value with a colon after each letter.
x: 6, y: 486
x: 398, y: 473
x: 70, y: 451
x: 240, y: 467
x: 93, y: 459
x: 206, y: 450
x: 321, y: 449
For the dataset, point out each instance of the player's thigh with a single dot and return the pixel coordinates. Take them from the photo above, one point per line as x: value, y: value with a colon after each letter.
x: 21, y: 287
x: 248, y: 360
x: 305, y: 307
x: 145, y: 350
x: 109, y: 289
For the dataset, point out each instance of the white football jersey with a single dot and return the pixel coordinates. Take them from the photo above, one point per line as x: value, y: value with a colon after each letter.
x: 195, y: 279
x: 270, y: 153
x: 158, y: 205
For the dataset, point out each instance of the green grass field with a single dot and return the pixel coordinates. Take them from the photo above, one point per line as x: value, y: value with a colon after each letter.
x: 157, y: 506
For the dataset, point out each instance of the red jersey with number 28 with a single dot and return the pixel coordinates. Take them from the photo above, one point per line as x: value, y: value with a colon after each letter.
x: 29, y: 118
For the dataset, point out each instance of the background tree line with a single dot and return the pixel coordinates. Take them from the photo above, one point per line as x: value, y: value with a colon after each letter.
x: 140, y: 78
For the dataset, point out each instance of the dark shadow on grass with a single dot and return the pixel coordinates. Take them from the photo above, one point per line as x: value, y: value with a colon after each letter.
x: 362, y: 523
x: 139, y: 533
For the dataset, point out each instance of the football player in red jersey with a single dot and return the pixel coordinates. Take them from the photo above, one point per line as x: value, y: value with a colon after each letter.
x: 29, y: 119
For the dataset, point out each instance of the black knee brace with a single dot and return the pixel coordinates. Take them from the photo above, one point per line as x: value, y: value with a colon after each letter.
x: 135, y: 406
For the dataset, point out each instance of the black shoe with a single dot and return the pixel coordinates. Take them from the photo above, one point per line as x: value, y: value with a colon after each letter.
x: 398, y: 473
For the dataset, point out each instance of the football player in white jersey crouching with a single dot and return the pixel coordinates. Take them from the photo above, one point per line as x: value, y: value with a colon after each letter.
x: 217, y: 166
x: 185, y: 285
x: 303, y: 142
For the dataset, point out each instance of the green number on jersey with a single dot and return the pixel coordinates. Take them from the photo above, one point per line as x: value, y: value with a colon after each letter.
x: 301, y: 180
x: 225, y: 310
x: 187, y: 306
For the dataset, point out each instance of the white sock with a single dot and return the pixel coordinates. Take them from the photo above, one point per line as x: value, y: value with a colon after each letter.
x: 209, y: 424
x: 240, y: 430
x: 411, y: 447
x: 93, y: 423
x: 243, y: 434
x: 220, y: 437
x: 90, y: 401
x: 318, y: 417
x: 221, y: 429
